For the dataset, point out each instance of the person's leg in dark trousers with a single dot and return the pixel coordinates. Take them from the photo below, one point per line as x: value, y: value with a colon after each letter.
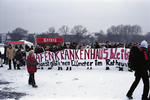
x: 30, y: 80
x: 14, y: 63
x: 6, y: 61
x: 9, y: 64
x: 146, y: 87
x: 18, y: 64
x: 33, y: 80
x: 133, y: 86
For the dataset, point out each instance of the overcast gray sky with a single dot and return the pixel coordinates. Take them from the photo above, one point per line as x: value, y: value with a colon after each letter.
x: 39, y: 15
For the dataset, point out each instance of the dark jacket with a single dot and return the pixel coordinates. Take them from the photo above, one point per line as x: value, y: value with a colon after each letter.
x: 0, y: 55
x: 18, y: 55
x: 144, y: 60
x: 31, y: 64
x: 139, y: 60
x: 39, y: 50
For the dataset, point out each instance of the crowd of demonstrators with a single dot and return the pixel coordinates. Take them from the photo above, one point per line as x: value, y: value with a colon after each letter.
x: 139, y: 57
x: 67, y: 45
x: 17, y: 54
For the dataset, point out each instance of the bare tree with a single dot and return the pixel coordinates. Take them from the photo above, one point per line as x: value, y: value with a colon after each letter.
x: 51, y: 30
x: 64, y: 29
x: 136, y: 29
x: 79, y: 30
x: 100, y: 36
x: 124, y: 33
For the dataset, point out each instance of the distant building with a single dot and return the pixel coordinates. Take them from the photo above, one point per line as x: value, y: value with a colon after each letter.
x: 2, y: 37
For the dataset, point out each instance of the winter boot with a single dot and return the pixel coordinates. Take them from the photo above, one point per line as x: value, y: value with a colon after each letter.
x: 107, y: 68
x: 130, y: 70
x: 49, y: 68
x: 67, y: 68
x: 129, y: 96
x: 30, y: 83
x: 120, y: 69
x: 145, y: 98
x: 70, y: 68
x: 34, y: 86
x: 18, y: 68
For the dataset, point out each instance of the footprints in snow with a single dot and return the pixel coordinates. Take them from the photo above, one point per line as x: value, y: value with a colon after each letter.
x: 59, y: 82
x: 75, y: 79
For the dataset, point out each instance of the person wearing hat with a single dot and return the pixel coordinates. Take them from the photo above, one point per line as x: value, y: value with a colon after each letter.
x: 141, y: 67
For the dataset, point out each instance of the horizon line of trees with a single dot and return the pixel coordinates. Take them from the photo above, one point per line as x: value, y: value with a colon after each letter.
x: 80, y: 34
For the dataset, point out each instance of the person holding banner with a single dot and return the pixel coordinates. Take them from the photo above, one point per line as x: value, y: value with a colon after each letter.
x: 139, y: 62
x: 31, y: 67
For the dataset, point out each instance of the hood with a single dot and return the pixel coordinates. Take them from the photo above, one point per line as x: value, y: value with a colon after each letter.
x: 144, y: 44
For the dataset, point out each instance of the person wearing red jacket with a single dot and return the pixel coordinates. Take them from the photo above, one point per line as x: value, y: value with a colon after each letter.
x: 31, y: 67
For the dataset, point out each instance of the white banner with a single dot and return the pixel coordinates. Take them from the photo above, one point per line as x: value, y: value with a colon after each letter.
x: 85, y: 57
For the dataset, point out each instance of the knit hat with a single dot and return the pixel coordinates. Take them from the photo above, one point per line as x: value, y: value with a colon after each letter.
x: 144, y: 44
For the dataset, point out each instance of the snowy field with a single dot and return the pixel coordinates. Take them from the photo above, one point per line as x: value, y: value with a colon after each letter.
x: 96, y: 84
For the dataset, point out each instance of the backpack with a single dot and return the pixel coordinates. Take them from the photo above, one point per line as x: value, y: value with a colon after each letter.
x: 133, y: 57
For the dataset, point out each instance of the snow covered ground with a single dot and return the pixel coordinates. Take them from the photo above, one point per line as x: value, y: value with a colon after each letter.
x: 72, y: 85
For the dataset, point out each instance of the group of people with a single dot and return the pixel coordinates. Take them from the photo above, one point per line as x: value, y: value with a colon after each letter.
x: 18, y: 57
x: 139, y: 61
x: 73, y: 45
x: 15, y: 55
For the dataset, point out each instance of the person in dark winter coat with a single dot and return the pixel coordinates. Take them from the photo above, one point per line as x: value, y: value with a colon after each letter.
x: 31, y: 67
x: 96, y: 45
x: 141, y: 67
x: 18, y: 57
x: 39, y: 49
x: 1, y: 63
x: 5, y: 57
